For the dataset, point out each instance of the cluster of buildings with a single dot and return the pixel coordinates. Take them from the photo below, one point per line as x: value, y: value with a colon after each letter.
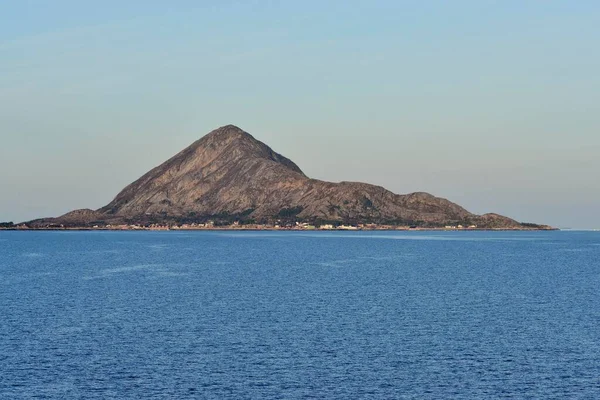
x: 460, y: 227
x: 210, y: 225
x: 325, y: 227
x: 237, y: 226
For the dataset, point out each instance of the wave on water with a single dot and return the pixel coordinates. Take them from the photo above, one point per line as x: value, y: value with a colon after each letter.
x: 37, y: 274
x: 129, y: 269
x: 111, y: 251
x: 171, y: 273
x: 576, y: 250
x: 377, y: 258
x: 425, y: 237
x: 158, y: 246
x: 33, y: 255
x: 154, y: 269
x: 342, y: 262
x: 391, y: 258
x: 338, y: 263
x: 266, y: 234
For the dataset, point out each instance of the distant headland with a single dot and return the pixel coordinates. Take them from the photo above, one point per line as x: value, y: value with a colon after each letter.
x: 229, y: 180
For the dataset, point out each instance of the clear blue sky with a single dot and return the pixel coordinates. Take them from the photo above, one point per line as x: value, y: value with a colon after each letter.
x: 492, y: 104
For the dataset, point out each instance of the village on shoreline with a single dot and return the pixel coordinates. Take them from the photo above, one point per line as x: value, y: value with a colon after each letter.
x: 297, y: 226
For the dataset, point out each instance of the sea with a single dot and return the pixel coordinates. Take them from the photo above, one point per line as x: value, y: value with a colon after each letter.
x: 299, y: 315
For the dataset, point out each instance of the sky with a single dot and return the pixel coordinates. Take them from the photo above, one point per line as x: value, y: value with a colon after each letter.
x: 494, y: 105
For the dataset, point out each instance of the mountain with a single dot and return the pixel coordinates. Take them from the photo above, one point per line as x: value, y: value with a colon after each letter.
x: 229, y: 176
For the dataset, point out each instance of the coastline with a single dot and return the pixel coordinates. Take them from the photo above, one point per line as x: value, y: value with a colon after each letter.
x: 273, y: 229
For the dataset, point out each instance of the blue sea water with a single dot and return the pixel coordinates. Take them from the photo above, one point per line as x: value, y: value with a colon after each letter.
x: 165, y: 315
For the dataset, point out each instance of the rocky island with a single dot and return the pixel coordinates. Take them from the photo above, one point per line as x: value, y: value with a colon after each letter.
x: 229, y: 179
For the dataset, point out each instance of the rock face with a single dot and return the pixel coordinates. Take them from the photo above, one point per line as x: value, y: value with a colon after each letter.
x: 230, y: 175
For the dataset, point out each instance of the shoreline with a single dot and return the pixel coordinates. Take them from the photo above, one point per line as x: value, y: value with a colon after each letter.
x: 271, y: 229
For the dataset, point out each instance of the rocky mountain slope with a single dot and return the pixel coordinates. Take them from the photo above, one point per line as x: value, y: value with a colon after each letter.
x: 228, y: 175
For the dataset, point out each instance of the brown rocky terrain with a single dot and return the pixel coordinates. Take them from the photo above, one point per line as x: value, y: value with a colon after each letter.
x: 229, y: 176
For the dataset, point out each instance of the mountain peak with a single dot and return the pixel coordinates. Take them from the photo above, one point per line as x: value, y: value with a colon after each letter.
x: 231, y: 143
x: 228, y: 159
x: 228, y: 131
